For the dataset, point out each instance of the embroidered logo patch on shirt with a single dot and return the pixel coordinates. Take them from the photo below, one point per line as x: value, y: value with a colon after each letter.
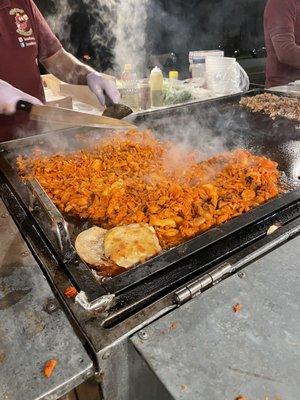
x: 21, y: 21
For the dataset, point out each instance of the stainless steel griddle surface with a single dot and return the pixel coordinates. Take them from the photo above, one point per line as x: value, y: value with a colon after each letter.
x: 224, y: 124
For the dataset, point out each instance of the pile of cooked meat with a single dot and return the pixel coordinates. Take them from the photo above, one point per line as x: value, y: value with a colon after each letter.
x: 134, y: 178
x: 272, y: 105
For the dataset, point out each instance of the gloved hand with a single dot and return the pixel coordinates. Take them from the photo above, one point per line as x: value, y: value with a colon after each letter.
x: 9, y: 96
x: 100, y: 84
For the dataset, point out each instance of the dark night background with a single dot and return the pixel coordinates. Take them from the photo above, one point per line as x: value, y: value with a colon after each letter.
x: 236, y: 26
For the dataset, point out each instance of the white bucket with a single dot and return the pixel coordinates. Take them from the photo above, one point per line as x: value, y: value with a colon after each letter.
x: 225, y: 75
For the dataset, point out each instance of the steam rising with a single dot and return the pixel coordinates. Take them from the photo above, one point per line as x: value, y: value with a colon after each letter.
x: 59, y: 23
x: 208, y: 130
x: 130, y: 32
x: 121, y: 30
x: 117, y: 31
x: 101, y: 16
x: 125, y: 24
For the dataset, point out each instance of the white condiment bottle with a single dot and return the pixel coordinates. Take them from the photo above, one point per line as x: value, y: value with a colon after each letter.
x: 156, y: 84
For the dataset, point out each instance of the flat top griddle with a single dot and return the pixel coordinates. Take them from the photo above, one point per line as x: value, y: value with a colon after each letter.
x: 212, y: 126
x: 224, y: 124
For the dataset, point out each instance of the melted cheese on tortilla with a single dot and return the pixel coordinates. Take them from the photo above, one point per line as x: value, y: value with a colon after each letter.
x: 131, y: 244
x: 89, y: 245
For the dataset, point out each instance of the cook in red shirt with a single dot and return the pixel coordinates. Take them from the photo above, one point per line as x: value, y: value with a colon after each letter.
x: 282, y: 37
x: 25, y: 38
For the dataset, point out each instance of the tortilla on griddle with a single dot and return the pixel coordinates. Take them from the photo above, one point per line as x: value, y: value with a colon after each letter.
x: 128, y: 245
x: 89, y: 245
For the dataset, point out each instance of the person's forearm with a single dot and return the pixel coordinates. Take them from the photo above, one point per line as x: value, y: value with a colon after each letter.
x: 287, y: 51
x: 67, y: 68
x: 70, y: 70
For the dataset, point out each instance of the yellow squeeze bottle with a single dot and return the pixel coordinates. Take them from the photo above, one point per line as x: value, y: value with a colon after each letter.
x: 173, y: 75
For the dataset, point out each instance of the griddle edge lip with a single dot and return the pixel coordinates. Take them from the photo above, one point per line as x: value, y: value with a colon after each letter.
x: 80, y: 275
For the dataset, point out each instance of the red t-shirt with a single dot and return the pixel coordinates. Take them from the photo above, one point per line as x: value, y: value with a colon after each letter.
x: 282, y: 38
x: 25, y: 37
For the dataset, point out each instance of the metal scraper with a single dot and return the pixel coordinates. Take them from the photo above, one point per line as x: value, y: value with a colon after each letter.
x: 117, y: 111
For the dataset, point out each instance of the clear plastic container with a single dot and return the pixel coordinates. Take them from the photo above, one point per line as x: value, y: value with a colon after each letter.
x: 205, y: 53
x: 198, y: 68
x: 130, y: 88
x: 156, y: 84
x: 200, y: 54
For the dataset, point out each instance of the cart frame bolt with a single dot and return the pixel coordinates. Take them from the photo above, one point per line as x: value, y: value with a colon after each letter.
x: 51, y: 306
x: 106, y: 355
x: 241, y: 274
x: 143, y: 335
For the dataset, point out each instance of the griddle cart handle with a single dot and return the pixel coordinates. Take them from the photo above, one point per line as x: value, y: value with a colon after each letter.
x: 23, y: 105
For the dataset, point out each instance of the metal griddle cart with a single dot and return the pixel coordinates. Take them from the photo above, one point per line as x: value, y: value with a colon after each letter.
x: 164, y: 329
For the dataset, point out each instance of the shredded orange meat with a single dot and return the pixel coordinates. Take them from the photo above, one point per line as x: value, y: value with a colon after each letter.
x: 133, y: 177
x: 71, y: 292
x: 237, y: 307
x: 49, y: 367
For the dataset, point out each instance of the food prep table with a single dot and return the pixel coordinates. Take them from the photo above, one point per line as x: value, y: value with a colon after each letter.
x: 165, y: 329
x: 203, y: 350
x: 34, y: 327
